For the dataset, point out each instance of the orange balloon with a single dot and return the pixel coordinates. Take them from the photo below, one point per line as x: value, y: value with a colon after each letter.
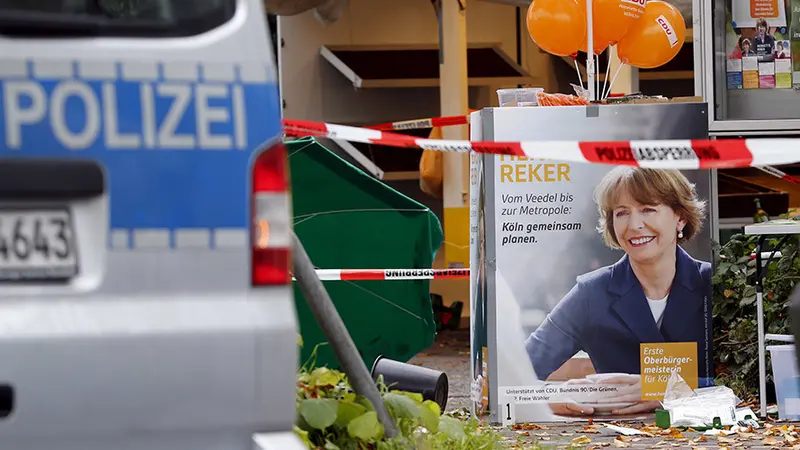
x: 557, y: 26
x: 611, y: 20
x: 599, y: 47
x: 655, y: 39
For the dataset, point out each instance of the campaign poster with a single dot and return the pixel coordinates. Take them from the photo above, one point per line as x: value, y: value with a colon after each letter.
x: 601, y: 284
x: 759, y: 44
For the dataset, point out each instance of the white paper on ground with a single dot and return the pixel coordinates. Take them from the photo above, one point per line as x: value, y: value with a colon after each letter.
x: 627, y: 431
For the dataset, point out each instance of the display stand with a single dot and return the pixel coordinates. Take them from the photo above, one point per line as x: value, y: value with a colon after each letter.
x: 787, y: 229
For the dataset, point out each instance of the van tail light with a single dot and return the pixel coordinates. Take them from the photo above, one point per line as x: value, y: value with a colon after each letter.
x: 271, y: 233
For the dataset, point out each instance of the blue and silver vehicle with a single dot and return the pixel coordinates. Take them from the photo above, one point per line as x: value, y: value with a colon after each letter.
x: 145, y: 298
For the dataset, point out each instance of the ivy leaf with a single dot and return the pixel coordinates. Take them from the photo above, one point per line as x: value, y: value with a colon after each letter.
x: 408, y: 406
x: 347, y: 412
x: 319, y: 413
x: 322, y: 376
x: 301, y: 423
x: 430, y: 418
x: 414, y: 395
x: 452, y: 428
x: 365, y: 402
x: 749, y: 300
x: 366, y: 427
x: 433, y: 406
x: 403, y: 406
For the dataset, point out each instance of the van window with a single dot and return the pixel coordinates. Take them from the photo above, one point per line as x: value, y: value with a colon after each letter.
x: 118, y: 18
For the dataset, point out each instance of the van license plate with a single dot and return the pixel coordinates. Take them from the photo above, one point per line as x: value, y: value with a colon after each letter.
x: 37, y: 245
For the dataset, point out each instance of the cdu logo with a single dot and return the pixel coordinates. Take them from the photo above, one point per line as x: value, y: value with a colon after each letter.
x: 668, y: 30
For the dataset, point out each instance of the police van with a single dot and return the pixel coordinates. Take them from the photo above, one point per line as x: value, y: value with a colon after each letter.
x: 145, y: 298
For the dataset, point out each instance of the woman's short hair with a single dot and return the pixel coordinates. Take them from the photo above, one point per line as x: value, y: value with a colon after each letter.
x: 667, y: 187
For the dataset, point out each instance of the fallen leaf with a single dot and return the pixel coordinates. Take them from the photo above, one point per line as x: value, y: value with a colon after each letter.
x: 581, y: 440
x: 528, y: 426
x: 769, y: 440
x: 726, y: 440
x: 790, y: 439
x: 674, y: 433
x: 701, y: 439
x: 620, y: 443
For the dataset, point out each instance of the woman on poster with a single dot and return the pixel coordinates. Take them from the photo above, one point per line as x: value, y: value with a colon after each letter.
x: 655, y: 293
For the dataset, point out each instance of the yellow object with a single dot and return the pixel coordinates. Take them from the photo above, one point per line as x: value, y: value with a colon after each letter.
x: 657, y: 362
x: 456, y: 232
x: 431, y: 168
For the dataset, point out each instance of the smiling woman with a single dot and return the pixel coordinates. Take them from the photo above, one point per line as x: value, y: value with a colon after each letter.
x: 655, y: 293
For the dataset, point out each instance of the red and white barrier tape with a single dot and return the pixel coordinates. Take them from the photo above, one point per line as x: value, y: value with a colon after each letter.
x: 464, y: 120
x: 391, y: 274
x: 780, y: 174
x: 658, y: 154
x: 422, y: 123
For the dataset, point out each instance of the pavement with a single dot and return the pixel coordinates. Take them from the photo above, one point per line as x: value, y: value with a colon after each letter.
x: 450, y: 354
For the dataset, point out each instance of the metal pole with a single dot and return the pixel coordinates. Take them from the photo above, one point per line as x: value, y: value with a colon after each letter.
x: 761, y: 272
x: 590, y: 56
x: 336, y: 332
x: 762, y: 358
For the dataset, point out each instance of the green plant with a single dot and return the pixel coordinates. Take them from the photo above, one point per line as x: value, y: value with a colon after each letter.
x: 735, y: 326
x: 331, y: 416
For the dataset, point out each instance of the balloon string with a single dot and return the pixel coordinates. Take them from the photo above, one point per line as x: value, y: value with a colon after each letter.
x: 608, y: 69
x: 577, y: 69
x: 614, y: 78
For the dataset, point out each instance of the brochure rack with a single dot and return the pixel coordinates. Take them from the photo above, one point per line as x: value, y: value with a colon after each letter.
x: 747, y: 65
